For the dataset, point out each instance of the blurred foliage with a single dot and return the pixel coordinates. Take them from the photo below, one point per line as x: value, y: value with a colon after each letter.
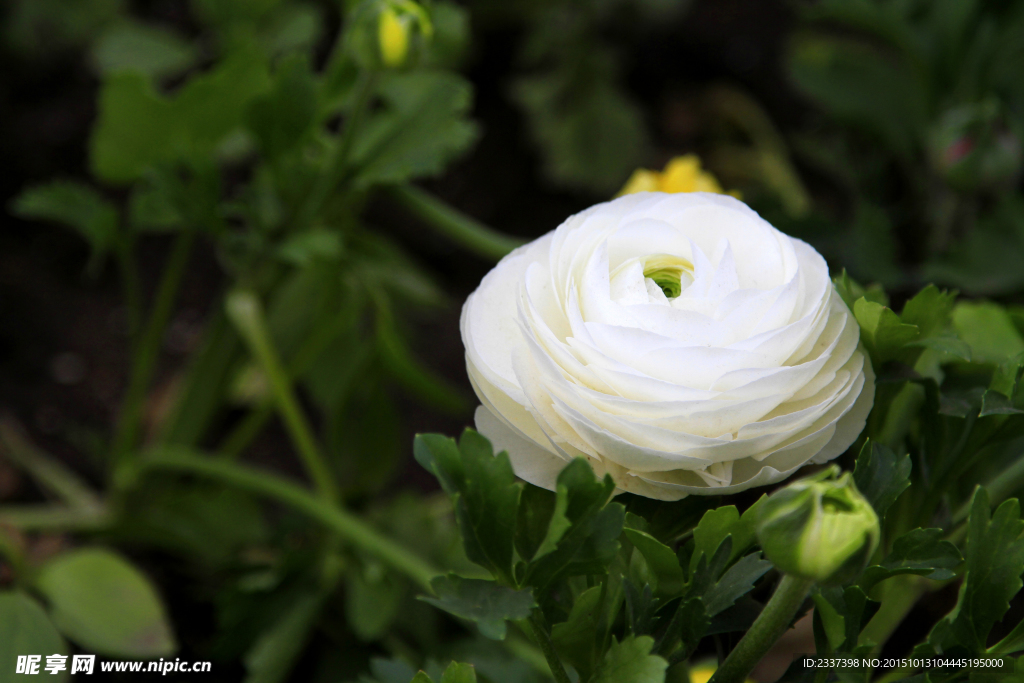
x: 585, y: 124
x: 925, y: 117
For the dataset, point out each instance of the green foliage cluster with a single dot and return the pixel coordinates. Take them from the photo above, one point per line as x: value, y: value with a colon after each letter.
x: 586, y: 126
x: 634, y: 586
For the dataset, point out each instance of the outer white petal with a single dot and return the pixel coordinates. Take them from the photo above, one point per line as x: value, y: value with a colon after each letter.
x: 530, y: 461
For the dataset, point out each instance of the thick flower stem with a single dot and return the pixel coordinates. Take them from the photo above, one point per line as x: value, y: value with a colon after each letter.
x: 246, y: 312
x: 335, y: 518
x: 766, y: 629
x: 457, y: 226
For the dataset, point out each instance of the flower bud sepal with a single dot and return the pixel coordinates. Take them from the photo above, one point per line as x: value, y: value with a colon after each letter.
x: 819, y: 528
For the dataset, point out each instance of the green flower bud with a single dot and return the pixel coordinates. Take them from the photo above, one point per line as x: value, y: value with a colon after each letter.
x: 974, y: 147
x: 819, y: 528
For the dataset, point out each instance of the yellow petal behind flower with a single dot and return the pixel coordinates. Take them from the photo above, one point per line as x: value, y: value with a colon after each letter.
x: 642, y: 180
x: 681, y: 174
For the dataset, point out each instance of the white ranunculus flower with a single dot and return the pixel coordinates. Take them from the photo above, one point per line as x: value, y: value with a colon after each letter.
x: 677, y: 341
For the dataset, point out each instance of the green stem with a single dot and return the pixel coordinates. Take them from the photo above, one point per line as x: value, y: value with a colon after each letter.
x: 543, y: 638
x: 999, y: 487
x: 900, y: 595
x: 10, y: 548
x: 311, y: 349
x: 766, y: 629
x: 523, y: 650
x: 338, y: 165
x: 246, y: 312
x: 345, y: 524
x: 46, y: 470
x: 53, y: 518
x: 132, y: 288
x: 399, y: 362
x: 457, y: 226
x: 239, y: 438
x: 147, y: 352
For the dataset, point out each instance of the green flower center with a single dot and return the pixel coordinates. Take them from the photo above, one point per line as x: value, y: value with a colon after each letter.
x: 671, y: 273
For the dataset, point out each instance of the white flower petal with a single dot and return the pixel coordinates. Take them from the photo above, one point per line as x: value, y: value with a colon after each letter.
x: 751, y: 372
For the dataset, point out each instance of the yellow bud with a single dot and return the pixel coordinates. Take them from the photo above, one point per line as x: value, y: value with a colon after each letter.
x: 702, y: 673
x: 642, y: 180
x: 393, y: 34
x: 681, y: 174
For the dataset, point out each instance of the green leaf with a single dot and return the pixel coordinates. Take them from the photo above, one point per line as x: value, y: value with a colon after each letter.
x: 995, y: 403
x: 840, y: 614
x: 881, y: 475
x: 137, y: 128
x: 989, y: 330
x: 421, y: 677
x: 485, y: 491
x: 272, y: 656
x: 485, y: 602
x: 631, y: 660
x: 451, y: 35
x: 459, y: 673
x: 372, y: 601
x: 662, y: 561
x: 689, y: 624
x: 133, y: 46
x: 72, y: 204
x: 921, y: 552
x: 831, y: 619
x: 303, y: 249
x: 736, y: 582
x: 850, y: 290
x: 1007, y: 378
x: 294, y: 26
x: 26, y: 630
x: 995, y: 562
x: 591, y: 543
x: 882, y: 331
x: 105, y: 605
x: 541, y: 521
x: 929, y: 310
x: 948, y: 344
x: 576, y: 638
x: 719, y: 523
x: 282, y: 117
x: 422, y: 127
